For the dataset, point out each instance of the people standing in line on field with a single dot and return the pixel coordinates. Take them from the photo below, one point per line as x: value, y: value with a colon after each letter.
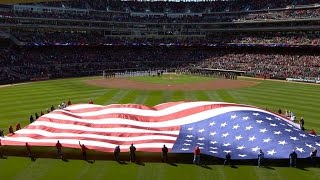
x: 1, y: 153
x: 132, y: 153
x: 69, y: 102
x: 90, y: 102
x: 164, y: 156
x: 260, y: 157
x: 1, y: 133
x: 227, y: 160
x: 196, y: 157
x: 36, y: 115
x: 48, y: 111
x: 84, y: 151
x: 116, y: 153
x: 52, y: 108
x: 279, y: 111
x: 11, y: 129
x: 18, y: 126
x: 59, y: 149
x: 31, y: 119
x: 301, y: 122
x: 293, y: 158
x: 313, y: 156
x: 29, y: 152
x: 41, y: 113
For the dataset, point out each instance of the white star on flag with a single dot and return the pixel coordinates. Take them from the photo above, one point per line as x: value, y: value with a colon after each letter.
x: 274, y: 125
x: 201, y: 148
x: 227, y: 151
x: 252, y: 138
x: 282, y: 142
x: 317, y: 144
x: 259, y: 121
x: 245, y: 118
x: 212, y: 133
x: 201, y: 130
x: 236, y: 126
x: 249, y: 127
x: 213, y: 142
x: 263, y: 130
x: 300, y: 150
x: 269, y: 118
x: 309, y: 145
x: 283, y: 124
x: 189, y: 136
x: 267, y: 140
x: 201, y: 139
x: 188, y: 140
x: 255, y: 149
x: 213, y: 148
x: 294, y: 138
x: 277, y: 132
x: 302, y: 135
x: 185, y: 149
x: 214, y: 152
x: 238, y: 137
x: 212, y: 123
x: 289, y: 125
x: 271, y: 152
x: 256, y: 114
x: 223, y: 124
x: 240, y: 147
x: 190, y: 129
x: 185, y: 144
x: 225, y: 134
x: 242, y: 155
x: 233, y: 116
x: 226, y: 145
x: 288, y: 130
x: 200, y: 144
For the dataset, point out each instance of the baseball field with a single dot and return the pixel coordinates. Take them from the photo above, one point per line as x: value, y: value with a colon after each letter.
x: 19, y: 101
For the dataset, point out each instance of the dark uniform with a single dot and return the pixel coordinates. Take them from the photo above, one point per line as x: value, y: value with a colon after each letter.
x: 59, y: 149
x: 313, y: 156
x: 132, y: 153
x: 31, y: 119
x: 116, y: 153
x: 164, y: 154
x: 1, y: 155
x: 36, y: 115
x: 301, y: 122
x: 227, y: 160
x: 293, y: 159
x: 84, y: 151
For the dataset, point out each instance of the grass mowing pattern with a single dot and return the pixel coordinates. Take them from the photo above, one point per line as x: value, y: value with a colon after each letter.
x: 171, y: 79
x: 18, y: 102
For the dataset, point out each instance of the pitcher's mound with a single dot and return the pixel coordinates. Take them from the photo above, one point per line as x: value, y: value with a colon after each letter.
x: 120, y: 83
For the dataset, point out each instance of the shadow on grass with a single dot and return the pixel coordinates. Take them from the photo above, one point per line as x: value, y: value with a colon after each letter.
x: 122, y: 162
x: 234, y: 166
x: 172, y: 164
x: 205, y: 166
x: 3, y: 157
x: 140, y: 163
x: 64, y: 160
x: 268, y: 167
x: 302, y: 168
x: 90, y: 161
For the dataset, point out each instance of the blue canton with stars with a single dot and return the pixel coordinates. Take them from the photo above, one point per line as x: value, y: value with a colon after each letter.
x: 243, y: 134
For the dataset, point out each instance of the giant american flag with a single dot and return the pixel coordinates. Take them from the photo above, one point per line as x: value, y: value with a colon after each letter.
x: 216, y: 127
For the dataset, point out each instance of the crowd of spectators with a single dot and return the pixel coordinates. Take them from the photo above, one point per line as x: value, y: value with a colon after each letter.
x: 266, y: 64
x: 97, y: 37
x: 178, y: 7
x: 283, y: 14
x: 24, y: 64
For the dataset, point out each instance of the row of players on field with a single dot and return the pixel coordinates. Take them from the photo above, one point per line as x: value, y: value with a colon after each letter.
x: 288, y: 114
x: 164, y: 156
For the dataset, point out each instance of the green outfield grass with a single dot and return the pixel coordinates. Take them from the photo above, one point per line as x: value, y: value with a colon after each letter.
x: 20, y: 101
x: 172, y: 78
